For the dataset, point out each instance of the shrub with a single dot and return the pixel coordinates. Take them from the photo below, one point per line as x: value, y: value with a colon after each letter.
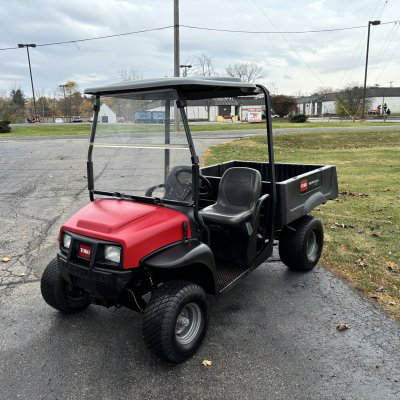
x: 298, y: 118
x: 5, y: 126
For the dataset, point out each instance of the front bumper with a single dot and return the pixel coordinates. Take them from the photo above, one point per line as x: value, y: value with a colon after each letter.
x: 99, y: 282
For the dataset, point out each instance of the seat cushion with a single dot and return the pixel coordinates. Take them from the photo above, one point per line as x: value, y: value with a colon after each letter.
x: 220, y: 216
x: 238, y: 193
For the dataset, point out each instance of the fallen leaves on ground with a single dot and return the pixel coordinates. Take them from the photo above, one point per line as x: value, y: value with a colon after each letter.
x: 362, y: 262
x: 377, y: 234
x: 207, y: 363
x: 342, y: 326
x: 339, y: 225
x: 353, y: 194
x: 391, y: 266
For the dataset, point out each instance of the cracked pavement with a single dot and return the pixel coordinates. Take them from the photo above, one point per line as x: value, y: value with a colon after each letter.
x: 41, y: 184
x: 274, y: 336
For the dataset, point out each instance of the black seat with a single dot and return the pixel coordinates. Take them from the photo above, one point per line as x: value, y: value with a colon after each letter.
x: 177, y: 186
x: 238, y: 192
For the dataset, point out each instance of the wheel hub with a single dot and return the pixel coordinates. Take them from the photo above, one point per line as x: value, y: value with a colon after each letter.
x: 188, y: 323
x: 312, y: 246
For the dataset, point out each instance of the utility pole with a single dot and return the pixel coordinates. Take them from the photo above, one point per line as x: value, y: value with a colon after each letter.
x: 176, y: 57
x: 176, y: 38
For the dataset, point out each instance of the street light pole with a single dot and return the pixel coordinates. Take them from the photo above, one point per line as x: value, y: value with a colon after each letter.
x: 185, y: 68
x: 20, y: 45
x: 366, y: 65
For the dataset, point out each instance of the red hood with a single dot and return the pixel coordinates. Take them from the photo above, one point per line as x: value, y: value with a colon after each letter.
x: 140, y: 228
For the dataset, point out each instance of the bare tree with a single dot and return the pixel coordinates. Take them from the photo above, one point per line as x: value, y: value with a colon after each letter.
x: 349, y: 101
x: 323, y: 90
x: 300, y: 93
x: 129, y: 74
x: 124, y: 108
x: 246, y: 72
x: 272, y: 87
x: 203, y: 65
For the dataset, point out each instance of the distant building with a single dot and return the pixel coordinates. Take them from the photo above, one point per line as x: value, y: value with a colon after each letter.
x: 216, y: 109
x: 325, y: 103
x: 106, y: 115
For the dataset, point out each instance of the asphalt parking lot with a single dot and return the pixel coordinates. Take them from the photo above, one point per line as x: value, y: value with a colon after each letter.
x: 272, y: 337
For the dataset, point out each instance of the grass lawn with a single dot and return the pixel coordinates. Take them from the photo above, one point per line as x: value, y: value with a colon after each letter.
x: 83, y: 129
x: 280, y: 123
x: 362, y: 227
x: 48, y: 130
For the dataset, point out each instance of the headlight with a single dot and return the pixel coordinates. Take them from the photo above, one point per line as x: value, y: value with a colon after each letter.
x: 66, y: 241
x: 112, y: 253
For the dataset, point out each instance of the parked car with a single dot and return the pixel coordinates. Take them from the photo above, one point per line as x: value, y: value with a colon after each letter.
x: 33, y: 120
x: 58, y: 121
x: 76, y: 118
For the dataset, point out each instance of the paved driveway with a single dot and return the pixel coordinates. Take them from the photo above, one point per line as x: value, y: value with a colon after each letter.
x: 272, y: 337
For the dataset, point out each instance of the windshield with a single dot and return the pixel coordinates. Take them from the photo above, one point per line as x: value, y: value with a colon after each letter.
x: 137, y: 152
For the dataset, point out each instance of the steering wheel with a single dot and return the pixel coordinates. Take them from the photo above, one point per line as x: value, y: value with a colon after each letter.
x: 205, y: 188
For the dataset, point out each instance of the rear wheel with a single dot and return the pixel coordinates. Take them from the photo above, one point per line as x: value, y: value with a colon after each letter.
x: 300, y: 244
x: 59, y: 294
x: 175, y: 320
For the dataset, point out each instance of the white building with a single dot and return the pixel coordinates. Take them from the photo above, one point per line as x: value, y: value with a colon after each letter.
x: 325, y: 103
x: 106, y: 115
x: 205, y: 110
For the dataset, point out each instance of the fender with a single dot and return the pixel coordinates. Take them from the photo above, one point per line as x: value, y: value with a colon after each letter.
x: 190, y: 259
x: 314, y: 200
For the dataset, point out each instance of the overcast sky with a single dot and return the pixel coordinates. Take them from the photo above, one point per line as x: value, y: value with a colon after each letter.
x: 292, y: 63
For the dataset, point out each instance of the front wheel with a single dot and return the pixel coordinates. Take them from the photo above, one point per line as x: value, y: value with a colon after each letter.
x: 59, y: 294
x: 300, y: 244
x: 175, y: 320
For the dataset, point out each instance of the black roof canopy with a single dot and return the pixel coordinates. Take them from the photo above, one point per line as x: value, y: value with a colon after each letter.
x: 186, y: 88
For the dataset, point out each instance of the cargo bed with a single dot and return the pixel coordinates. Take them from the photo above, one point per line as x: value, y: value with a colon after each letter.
x: 299, y: 187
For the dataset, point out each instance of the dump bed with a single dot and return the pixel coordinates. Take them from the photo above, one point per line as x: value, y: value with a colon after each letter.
x: 299, y: 187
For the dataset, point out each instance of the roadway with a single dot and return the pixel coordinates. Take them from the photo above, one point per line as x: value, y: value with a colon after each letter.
x: 272, y: 337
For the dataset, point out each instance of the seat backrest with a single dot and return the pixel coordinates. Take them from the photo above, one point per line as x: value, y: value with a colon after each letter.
x: 239, y: 189
x: 178, y: 184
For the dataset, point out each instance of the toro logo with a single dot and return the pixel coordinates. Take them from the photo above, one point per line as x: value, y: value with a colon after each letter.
x: 85, y: 251
x: 303, y: 185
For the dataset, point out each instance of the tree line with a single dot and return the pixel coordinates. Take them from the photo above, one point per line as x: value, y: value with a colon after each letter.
x: 66, y: 101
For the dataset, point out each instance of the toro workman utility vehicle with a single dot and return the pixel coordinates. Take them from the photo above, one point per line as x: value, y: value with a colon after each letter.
x: 160, y: 232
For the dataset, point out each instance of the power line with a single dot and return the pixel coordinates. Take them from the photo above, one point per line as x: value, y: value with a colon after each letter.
x: 277, y: 31
x: 269, y: 32
x: 360, y: 54
x: 389, y: 60
x: 204, y: 28
x: 353, y: 62
x: 289, y: 44
x: 386, y: 44
x: 383, y: 9
x: 96, y: 38
x: 376, y: 7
